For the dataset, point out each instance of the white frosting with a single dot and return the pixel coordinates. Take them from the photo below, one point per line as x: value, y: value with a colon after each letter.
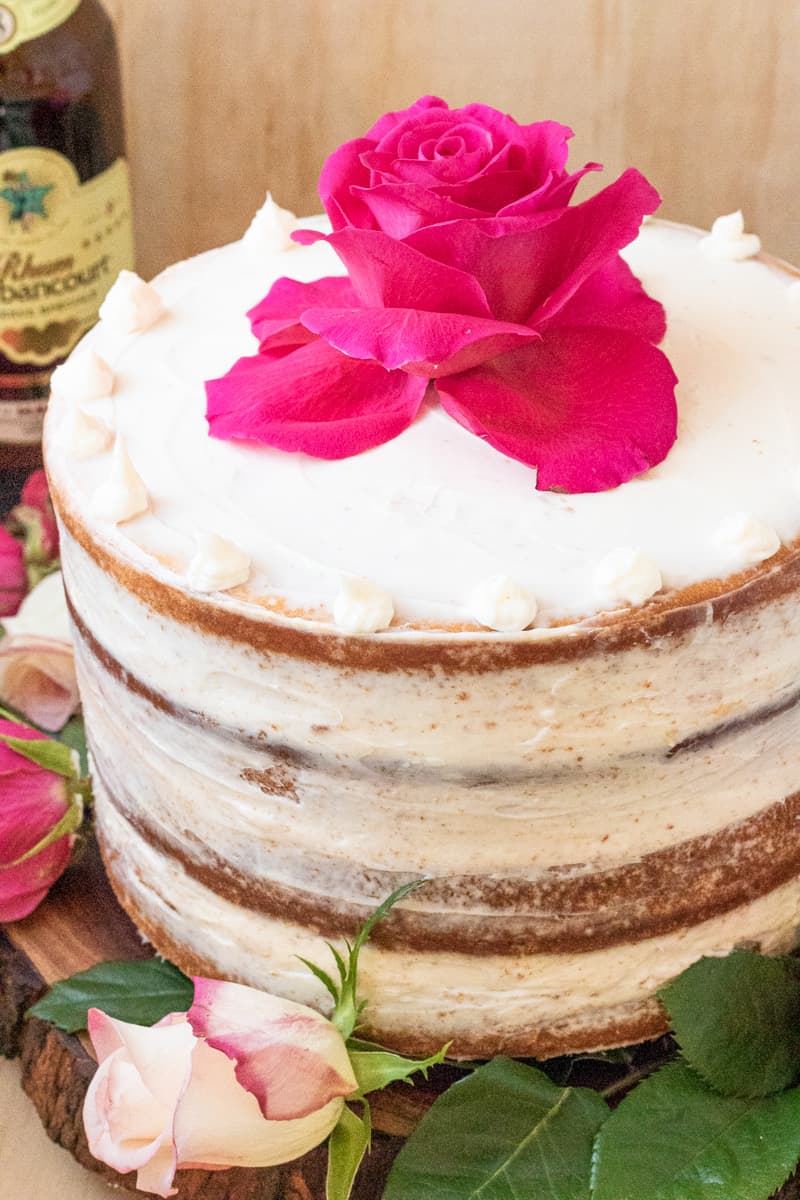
x: 500, y: 603
x: 361, y: 607
x: 793, y: 293
x: 84, y: 376
x: 748, y: 539
x: 271, y: 229
x: 122, y: 494
x: 217, y: 565
x: 428, y: 514
x: 131, y: 306
x: 86, y: 434
x: 626, y: 576
x: 728, y: 239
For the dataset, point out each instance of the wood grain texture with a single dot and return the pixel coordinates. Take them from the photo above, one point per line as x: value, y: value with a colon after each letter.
x: 225, y: 100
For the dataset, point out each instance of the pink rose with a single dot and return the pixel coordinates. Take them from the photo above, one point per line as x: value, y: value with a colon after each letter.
x: 37, y: 662
x: 36, y: 510
x: 33, y: 801
x: 242, y: 1079
x: 472, y: 280
x: 13, y: 579
x: 430, y: 164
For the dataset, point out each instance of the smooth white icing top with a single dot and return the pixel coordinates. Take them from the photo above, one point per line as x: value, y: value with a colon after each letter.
x: 430, y: 515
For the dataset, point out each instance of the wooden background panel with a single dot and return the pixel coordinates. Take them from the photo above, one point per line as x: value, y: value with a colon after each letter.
x: 228, y: 97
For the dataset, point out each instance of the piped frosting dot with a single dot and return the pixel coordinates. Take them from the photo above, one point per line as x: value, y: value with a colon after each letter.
x: 501, y: 603
x: 131, y: 306
x: 362, y: 607
x: 729, y: 240
x: 271, y: 229
x: 626, y: 576
x: 84, y: 376
x: 217, y: 565
x: 749, y: 539
x: 122, y: 495
x: 86, y: 435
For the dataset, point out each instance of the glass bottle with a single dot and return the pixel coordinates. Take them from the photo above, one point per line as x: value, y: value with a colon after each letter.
x: 65, y: 214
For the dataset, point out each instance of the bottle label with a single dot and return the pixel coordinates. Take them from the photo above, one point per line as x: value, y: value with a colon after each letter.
x: 23, y: 400
x: 24, y: 20
x: 62, y: 245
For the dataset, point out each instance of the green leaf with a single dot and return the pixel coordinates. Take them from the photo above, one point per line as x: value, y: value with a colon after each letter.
x: 53, y: 756
x: 74, y: 735
x: 346, y: 1148
x: 504, y: 1133
x: 737, y: 1020
x: 139, y: 992
x: 376, y: 1069
x: 672, y: 1138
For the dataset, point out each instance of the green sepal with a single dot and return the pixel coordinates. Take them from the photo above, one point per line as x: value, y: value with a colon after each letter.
x: 51, y: 755
x: 347, y: 1146
x: 69, y: 823
x: 376, y: 1069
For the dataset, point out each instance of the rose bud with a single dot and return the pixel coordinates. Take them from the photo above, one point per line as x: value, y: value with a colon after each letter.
x: 39, y: 813
x: 13, y: 579
x: 263, y: 1083
x: 35, y: 513
x: 37, y: 662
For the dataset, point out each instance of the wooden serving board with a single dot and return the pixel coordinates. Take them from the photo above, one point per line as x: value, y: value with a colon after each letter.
x: 80, y: 924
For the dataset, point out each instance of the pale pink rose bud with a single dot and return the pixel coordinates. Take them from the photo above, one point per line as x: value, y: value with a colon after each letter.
x: 37, y: 663
x: 163, y: 1098
x: 32, y: 802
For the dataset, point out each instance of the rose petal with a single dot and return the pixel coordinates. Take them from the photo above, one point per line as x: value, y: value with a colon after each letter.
x: 37, y: 677
x: 43, y: 611
x: 390, y: 120
x: 528, y: 274
x: 31, y: 803
x: 315, y: 400
x: 289, y: 1057
x: 614, y: 298
x: 434, y: 343
x: 390, y: 274
x: 590, y: 408
x: 287, y: 299
x: 22, y: 888
x: 133, y: 1096
x: 13, y: 579
x: 343, y: 171
x: 218, y: 1123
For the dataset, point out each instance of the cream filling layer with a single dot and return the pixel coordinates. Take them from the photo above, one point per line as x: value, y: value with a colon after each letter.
x: 441, y: 995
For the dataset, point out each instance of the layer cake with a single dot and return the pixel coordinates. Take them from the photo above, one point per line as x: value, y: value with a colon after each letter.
x: 596, y: 800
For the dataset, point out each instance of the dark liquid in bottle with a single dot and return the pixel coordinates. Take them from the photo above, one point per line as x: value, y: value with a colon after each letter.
x: 61, y: 242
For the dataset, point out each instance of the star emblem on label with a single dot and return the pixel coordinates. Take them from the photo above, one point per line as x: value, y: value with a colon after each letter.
x: 26, y: 199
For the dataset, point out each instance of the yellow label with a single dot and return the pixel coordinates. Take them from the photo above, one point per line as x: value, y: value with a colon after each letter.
x: 24, y: 20
x: 62, y: 245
